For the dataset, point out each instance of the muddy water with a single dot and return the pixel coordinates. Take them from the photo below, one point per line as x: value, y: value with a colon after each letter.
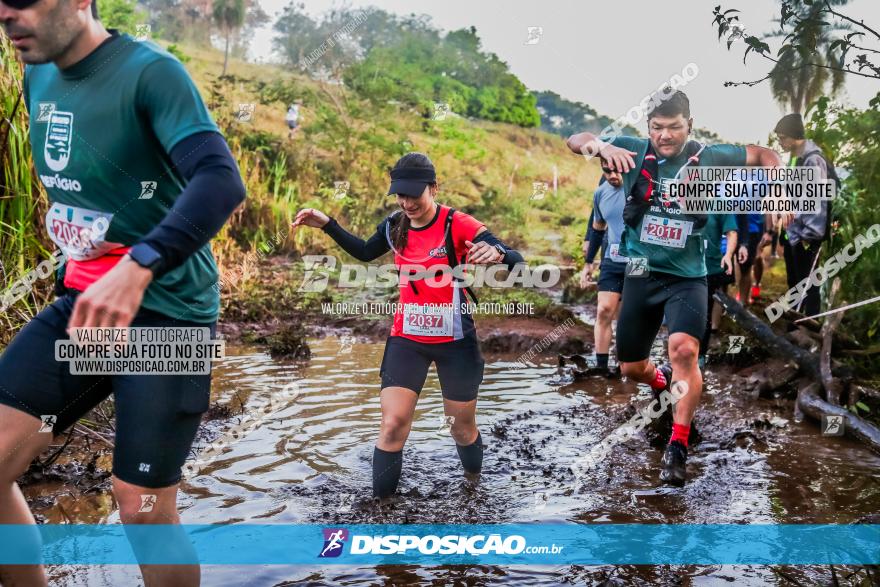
x: 309, y: 462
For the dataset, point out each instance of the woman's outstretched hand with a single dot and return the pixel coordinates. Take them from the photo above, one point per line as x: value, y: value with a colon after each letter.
x: 310, y: 217
x: 482, y: 253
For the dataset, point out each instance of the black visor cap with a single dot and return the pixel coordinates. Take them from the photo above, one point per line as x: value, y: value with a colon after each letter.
x: 411, y: 181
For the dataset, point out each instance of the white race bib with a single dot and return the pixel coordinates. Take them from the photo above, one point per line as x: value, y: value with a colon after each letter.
x: 80, y: 233
x: 666, y: 232
x: 614, y: 253
x: 427, y: 320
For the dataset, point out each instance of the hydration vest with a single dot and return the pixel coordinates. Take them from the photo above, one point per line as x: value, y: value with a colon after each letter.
x: 449, y: 245
x: 644, y: 191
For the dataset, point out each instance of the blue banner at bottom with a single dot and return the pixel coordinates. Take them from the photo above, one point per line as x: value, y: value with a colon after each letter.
x: 427, y: 544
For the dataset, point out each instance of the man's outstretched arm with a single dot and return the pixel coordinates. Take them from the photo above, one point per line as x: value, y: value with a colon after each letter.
x: 586, y: 143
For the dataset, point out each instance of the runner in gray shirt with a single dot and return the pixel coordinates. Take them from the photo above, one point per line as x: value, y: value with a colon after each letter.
x: 608, y: 201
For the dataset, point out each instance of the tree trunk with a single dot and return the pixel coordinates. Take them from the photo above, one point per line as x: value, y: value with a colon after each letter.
x: 226, y: 52
x: 776, y: 344
x: 812, y: 405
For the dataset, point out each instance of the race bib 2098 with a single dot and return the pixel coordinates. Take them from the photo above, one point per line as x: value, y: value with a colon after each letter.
x: 79, y: 232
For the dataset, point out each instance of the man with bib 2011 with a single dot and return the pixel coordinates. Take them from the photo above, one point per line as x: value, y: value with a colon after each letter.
x: 670, y: 243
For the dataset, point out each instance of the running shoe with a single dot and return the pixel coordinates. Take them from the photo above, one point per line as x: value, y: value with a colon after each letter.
x: 666, y: 368
x: 674, y: 463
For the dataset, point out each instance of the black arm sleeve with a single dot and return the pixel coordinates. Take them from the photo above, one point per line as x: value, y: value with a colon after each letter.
x: 373, y: 248
x: 511, y: 257
x: 213, y: 191
x: 589, y: 227
x: 597, y: 237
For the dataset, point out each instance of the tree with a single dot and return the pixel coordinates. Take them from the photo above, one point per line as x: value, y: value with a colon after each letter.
x: 820, y: 44
x: 793, y: 82
x: 297, y: 35
x: 229, y: 16
x: 120, y: 14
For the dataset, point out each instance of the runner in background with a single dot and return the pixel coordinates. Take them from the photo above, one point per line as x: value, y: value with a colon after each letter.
x: 803, y: 237
x: 750, y: 229
x: 292, y: 119
x: 430, y: 326
x: 607, y: 215
x: 721, y: 242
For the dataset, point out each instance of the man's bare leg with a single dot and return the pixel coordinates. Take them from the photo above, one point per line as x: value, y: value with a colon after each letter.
x: 20, y: 443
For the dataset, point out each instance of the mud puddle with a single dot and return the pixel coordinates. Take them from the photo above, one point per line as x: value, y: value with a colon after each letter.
x: 308, y: 461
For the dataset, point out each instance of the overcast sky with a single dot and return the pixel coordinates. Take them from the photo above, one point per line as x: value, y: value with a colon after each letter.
x: 611, y: 54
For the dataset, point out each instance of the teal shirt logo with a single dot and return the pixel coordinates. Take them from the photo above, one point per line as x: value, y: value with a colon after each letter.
x: 59, y: 136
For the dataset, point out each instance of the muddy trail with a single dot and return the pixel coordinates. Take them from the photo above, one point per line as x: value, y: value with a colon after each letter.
x: 308, y: 461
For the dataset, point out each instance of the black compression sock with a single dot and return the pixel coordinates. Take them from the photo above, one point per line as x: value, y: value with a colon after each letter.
x: 386, y: 471
x: 471, y: 455
x: 602, y: 360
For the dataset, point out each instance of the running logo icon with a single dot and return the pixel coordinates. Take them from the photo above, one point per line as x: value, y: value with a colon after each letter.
x: 637, y: 267
x: 832, y: 425
x: 47, y: 423
x: 59, y: 136
x: 148, y: 188
x: 736, y: 344
x: 334, y: 540
x: 45, y: 111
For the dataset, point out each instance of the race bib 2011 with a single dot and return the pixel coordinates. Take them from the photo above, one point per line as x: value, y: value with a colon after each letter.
x: 666, y: 232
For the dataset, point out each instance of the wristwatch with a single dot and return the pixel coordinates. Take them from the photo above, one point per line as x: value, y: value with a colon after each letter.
x: 500, y: 249
x: 146, y: 256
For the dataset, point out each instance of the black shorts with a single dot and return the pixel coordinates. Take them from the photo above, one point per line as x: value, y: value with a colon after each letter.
x: 156, y: 415
x: 459, y: 366
x: 647, y: 299
x: 719, y: 280
x: 752, y: 247
x: 611, y: 276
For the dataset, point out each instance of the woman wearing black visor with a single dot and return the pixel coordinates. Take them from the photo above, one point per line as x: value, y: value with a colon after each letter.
x: 430, y: 325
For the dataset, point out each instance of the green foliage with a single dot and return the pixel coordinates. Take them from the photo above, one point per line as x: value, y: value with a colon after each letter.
x: 420, y: 67
x: 124, y: 15
x: 177, y: 52
x: 229, y: 14
x: 22, y: 203
x: 565, y: 117
x: 814, y: 55
x: 851, y: 137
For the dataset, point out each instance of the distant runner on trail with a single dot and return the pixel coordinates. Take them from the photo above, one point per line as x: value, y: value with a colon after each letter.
x: 292, y: 119
x: 429, y: 326
x: 139, y: 180
x: 672, y: 243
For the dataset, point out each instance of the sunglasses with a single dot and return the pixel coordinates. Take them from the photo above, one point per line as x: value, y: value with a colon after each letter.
x: 19, y: 4
x: 608, y: 170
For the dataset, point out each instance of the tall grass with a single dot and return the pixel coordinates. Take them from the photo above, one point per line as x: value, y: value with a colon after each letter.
x: 22, y: 203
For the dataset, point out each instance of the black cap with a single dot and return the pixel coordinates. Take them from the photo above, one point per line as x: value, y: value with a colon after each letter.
x: 411, y: 181
x: 791, y: 125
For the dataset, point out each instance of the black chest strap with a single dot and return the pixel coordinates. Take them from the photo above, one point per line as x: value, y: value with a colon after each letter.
x: 450, y: 252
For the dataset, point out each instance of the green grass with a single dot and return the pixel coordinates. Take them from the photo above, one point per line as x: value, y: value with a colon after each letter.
x: 23, y: 243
